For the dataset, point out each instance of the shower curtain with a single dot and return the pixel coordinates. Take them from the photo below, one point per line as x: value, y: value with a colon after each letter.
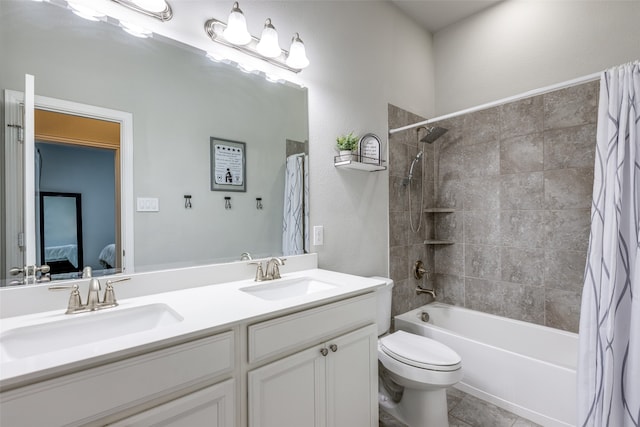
x: 295, y: 224
x: 609, y: 349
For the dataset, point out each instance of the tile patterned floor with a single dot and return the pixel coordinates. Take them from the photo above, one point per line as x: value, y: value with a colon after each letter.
x: 468, y: 411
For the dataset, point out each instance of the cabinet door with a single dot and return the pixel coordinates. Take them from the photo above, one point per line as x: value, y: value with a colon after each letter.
x: 289, y: 392
x: 352, y: 379
x: 210, y: 407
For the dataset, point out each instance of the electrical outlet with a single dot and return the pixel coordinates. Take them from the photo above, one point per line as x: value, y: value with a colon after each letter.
x: 318, y: 235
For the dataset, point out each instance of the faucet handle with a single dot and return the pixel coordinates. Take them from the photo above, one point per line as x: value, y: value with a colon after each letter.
x: 109, y: 294
x: 259, y: 271
x: 75, y: 301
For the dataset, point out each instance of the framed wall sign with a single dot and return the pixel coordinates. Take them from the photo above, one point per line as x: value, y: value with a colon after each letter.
x: 228, y: 165
x: 370, y: 149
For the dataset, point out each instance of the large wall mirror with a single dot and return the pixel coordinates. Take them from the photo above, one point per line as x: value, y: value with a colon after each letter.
x: 178, y: 100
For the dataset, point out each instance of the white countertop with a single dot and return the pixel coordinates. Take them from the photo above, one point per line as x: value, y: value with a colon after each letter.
x: 204, y: 309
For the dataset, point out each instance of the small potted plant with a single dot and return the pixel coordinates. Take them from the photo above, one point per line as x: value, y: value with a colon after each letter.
x: 347, y: 145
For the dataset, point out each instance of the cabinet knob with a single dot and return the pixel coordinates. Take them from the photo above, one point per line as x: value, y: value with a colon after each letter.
x: 333, y: 347
x: 324, y: 351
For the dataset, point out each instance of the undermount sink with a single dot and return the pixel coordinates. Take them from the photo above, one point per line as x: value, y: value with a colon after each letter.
x: 288, y: 288
x: 82, y: 329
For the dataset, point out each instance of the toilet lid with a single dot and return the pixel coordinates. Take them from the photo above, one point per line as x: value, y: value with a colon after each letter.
x: 419, y: 351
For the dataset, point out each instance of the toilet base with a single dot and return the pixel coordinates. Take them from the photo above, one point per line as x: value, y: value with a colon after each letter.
x: 420, y: 408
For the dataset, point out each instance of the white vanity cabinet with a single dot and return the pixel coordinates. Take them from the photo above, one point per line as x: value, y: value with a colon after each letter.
x: 331, y: 382
x: 213, y: 406
x: 115, y: 390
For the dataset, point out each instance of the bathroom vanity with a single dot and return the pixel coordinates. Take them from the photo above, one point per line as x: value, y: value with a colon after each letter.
x: 300, y: 350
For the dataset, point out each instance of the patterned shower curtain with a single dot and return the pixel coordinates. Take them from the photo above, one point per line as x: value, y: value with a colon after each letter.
x: 295, y: 224
x: 609, y: 356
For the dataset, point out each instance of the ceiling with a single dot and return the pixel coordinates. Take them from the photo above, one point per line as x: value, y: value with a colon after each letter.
x: 434, y: 15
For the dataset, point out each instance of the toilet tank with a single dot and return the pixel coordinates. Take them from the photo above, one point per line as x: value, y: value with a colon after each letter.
x: 384, y: 305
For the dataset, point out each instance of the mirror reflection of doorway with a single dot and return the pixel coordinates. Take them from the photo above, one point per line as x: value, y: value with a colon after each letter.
x: 61, y: 231
x: 81, y: 155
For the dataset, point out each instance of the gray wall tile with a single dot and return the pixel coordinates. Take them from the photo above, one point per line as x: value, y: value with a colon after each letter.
x: 523, y: 153
x: 520, y: 178
x: 524, y: 229
x: 568, y: 188
x: 481, y: 160
x: 482, y: 262
x: 481, y: 126
x: 523, y: 265
x: 482, y: 193
x: 482, y: 227
x: 570, y: 147
x: 572, y: 106
x: 568, y: 229
x: 562, y: 309
x: 522, y: 191
x: 564, y: 269
x: 521, y: 117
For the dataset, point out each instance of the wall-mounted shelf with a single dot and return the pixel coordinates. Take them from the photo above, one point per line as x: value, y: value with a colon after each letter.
x: 438, y: 242
x: 359, y: 165
x: 439, y: 210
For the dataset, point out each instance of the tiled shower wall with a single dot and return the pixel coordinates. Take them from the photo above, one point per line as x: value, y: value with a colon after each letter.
x: 519, y: 178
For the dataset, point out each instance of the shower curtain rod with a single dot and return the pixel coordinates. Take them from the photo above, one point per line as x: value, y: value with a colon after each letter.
x: 534, y: 92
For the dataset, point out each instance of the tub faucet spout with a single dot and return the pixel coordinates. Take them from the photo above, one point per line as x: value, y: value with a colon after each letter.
x: 431, y: 292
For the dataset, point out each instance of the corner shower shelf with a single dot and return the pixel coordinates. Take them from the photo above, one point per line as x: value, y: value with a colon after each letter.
x: 439, y: 210
x: 354, y: 164
x: 438, y: 242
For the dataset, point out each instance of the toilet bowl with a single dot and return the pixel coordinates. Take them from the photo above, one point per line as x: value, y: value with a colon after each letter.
x: 423, y: 367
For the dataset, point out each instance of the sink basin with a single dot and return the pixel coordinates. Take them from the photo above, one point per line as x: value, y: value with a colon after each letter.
x: 288, y: 288
x: 82, y: 329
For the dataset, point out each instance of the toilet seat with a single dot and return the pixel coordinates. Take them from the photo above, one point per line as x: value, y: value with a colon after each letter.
x: 420, y: 352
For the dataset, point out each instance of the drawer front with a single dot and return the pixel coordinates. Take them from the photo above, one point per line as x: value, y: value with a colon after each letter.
x: 89, y: 395
x: 296, y: 331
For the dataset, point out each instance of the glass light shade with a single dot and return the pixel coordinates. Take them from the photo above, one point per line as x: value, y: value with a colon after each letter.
x: 151, y: 5
x: 268, y: 45
x: 236, y: 31
x: 297, y: 54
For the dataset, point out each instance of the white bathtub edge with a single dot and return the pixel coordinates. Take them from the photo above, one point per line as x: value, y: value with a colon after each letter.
x: 520, y: 411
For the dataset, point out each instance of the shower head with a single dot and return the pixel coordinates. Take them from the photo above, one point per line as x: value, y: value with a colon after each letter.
x: 433, y: 133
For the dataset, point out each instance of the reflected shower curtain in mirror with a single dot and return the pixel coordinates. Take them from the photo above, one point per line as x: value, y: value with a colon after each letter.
x: 609, y: 357
x: 295, y: 224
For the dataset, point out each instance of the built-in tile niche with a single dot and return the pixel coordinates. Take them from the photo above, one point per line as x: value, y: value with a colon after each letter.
x: 519, y: 177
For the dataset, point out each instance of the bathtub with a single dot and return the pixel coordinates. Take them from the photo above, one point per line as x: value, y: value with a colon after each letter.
x: 527, y: 369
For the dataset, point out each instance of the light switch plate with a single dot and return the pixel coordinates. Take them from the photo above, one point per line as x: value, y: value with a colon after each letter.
x: 318, y: 235
x: 147, y: 204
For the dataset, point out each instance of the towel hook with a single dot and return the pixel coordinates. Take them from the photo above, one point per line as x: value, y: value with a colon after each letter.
x: 227, y: 202
x: 259, y: 203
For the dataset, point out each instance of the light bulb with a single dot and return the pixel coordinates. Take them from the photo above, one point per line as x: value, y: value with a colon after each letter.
x: 236, y: 31
x: 268, y: 45
x: 297, y: 55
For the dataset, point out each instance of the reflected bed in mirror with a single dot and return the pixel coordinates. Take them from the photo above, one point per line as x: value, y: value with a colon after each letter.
x: 178, y: 100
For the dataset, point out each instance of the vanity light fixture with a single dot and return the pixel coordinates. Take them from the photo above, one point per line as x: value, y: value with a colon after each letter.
x: 235, y: 35
x: 159, y: 9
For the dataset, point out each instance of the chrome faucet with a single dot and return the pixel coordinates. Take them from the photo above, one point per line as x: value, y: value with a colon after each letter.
x: 431, y: 292
x: 93, y: 298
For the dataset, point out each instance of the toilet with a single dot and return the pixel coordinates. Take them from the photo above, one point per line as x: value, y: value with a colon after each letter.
x: 415, y: 371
